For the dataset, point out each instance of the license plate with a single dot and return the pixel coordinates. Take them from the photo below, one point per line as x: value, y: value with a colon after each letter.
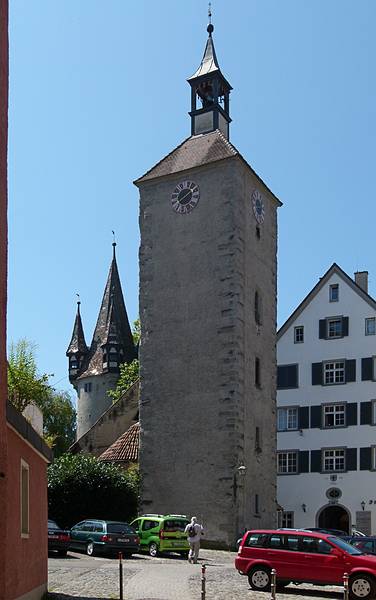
x: 53, y: 537
x: 177, y: 543
x: 123, y: 540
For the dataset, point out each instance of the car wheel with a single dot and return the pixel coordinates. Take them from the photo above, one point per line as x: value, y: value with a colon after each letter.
x: 62, y: 552
x: 184, y: 555
x: 90, y: 549
x: 362, y: 586
x: 153, y: 549
x: 259, y: 578
x: 128, y: 554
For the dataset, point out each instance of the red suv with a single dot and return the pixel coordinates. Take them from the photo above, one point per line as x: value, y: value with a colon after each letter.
x: 305, y: 557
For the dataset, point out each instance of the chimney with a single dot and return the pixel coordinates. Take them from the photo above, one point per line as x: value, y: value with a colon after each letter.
x: 361, y: 279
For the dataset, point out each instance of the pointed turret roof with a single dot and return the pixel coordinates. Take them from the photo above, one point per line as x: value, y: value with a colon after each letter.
x: 112, y: 325
x: 209, y: 63
x: 77, y: 343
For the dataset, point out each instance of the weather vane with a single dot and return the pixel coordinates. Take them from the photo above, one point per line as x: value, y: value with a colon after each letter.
x: 78, y: 300
x: 113, y: 236
x: 209, y: 13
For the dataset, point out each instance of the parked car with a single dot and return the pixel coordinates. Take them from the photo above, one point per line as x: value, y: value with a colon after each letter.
x: 162, y: 533
x: 305, y: 557
x: 58, y: 539
x: 95, y: 536
x: 337, y: 532
x: 364, y: 543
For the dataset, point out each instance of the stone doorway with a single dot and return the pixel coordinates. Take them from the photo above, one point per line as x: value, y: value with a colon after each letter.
x: 334, y: 516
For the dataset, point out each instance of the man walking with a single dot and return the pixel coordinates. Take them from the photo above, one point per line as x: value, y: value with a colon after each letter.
x: 195, y: 531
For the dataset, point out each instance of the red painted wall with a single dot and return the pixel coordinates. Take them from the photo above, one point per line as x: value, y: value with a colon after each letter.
x: 26, y: 564
x: 3, y: 268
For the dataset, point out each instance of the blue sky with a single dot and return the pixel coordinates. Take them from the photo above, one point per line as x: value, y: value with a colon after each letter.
x: 98, y: 95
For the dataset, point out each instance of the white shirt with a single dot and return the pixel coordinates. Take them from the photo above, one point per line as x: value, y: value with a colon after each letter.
x: 198, y: 529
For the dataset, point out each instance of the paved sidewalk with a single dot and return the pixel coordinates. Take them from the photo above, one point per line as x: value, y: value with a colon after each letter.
x: 163, y: 578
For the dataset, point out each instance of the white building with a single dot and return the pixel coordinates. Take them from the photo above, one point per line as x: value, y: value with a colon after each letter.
x: 326, y: 399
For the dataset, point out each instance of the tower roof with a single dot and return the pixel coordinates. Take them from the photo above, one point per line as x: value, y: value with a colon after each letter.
x: 77, y: 343
x: 209, y: 63
x: 196, y: 151
x: 112, y: 325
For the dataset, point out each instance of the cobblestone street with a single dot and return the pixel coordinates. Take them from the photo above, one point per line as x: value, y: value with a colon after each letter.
x: 164, y: 578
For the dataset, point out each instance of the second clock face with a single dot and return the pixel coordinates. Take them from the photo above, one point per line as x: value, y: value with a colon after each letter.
x: 258, y: 206
x: 185, y: 197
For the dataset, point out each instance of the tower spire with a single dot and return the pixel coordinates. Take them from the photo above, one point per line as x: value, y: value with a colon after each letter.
x: 210, y: 87
x: 77, y: 349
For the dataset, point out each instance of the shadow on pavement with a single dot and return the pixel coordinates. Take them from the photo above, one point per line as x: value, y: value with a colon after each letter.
x: 299, y: 591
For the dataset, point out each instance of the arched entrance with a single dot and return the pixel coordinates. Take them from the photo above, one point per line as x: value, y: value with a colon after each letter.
x: 334, y: 516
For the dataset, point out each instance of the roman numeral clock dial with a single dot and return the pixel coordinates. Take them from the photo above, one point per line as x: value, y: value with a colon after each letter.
x: 185, y: 197
x: 258, y: 206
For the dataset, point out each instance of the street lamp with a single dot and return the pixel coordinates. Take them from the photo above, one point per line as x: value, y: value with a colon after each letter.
x: 363, y: 504
x: 304, y: 507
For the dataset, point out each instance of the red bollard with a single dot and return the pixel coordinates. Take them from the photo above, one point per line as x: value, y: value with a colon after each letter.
x: 203, y: 582
x: 121, y: 575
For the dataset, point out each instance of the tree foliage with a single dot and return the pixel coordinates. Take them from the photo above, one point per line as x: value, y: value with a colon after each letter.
x: 128, y: 376
x: 129, y: 373
x: 26, y: 386
x: 59, y: 422
x: 80, y: 486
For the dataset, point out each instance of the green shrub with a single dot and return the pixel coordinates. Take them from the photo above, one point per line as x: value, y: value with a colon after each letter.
x: 82, y: 487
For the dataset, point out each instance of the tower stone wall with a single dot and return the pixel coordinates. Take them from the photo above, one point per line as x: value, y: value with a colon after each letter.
x: 199, y: 405
x: 93, y: 403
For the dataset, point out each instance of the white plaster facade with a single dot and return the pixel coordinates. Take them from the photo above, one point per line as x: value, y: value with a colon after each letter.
x: 304, y: 495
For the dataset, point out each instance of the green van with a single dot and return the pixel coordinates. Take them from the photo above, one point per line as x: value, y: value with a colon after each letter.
x: 162, y: 533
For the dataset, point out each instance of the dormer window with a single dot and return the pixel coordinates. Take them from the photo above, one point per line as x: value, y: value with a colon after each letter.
x: 73, y: 363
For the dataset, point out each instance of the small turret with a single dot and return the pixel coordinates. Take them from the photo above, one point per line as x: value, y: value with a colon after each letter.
x: 77, y: 350
x: 210, y: 87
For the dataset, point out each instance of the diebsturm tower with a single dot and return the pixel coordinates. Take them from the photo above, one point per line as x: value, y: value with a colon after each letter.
x: 208, y: 319
x: 94, y: 371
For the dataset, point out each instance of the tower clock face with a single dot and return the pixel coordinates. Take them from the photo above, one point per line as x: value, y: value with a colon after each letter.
x: 258, y: 206
x: 185, y: 197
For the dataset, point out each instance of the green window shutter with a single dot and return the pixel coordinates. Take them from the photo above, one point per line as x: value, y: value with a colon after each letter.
x: 304, y: 461
x: 345, y: 326
x: 322, y: 329
x: 317, y: 373
x: 367, y: 369
x: 350, y: 370
x: 365, y: 459
x: 316, y: 412
x: 287, y: 376
x: 351, y: 414
x: 315, y: 461
x: 366, y: 413
x: 303, y: 417
x: 351, y: 459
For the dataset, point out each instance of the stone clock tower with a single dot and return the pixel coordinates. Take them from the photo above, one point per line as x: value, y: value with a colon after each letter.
x: 208, y: 314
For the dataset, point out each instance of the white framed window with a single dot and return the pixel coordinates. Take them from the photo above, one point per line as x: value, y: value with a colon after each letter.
x: 334, y: 372
x: 334, y: 327
x: 370, y: 326
x: 333, y: 460
x: 334, y: 292
x: 287, y: 418
x: 334, y: 415
x: 299, y: 334
x: 287, y: 519
x: 287, y: 462
x: 24, y: 499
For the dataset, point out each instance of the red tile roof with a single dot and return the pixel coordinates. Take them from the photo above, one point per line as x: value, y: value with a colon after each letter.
x: 126, y: 447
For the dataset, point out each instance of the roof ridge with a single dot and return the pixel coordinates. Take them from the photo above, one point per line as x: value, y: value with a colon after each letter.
x: 162, y: 159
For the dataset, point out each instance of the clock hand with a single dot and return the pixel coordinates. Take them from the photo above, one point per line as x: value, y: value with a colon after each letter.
x: 185, y: 196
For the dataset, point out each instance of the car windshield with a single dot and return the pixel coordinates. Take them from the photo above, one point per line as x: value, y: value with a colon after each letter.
x: 52, y: 525
x: 119, y: 528
x: 344, y: 546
